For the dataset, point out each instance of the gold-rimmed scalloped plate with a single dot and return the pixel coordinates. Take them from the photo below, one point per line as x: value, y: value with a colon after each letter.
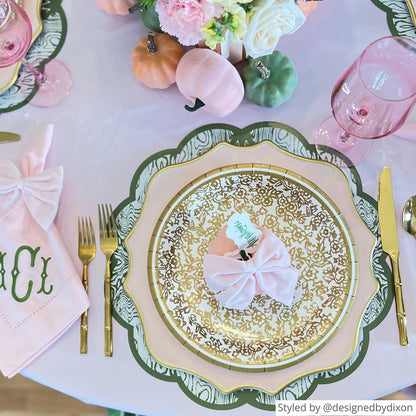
x: 268, y: 335
x: 32, y: 7
x: 412, y: 9
x: 170, y: 350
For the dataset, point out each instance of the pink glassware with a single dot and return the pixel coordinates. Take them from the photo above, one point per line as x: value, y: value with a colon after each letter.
x: 54, y: 82
x: 15, y: 33
x: 371, y: 99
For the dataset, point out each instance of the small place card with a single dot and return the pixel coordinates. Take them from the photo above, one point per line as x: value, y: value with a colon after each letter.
x: 242, y: 231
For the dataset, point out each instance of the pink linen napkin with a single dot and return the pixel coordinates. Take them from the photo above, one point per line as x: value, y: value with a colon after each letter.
x: 235, y: 282
x: 41, y: 294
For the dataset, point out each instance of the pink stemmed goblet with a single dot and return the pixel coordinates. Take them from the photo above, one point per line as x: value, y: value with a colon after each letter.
x: 15, y: 33
x: 371, y: 99
x: 54, y: 82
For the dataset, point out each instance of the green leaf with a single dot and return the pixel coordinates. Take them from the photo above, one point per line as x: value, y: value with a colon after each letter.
x: 144, y: 3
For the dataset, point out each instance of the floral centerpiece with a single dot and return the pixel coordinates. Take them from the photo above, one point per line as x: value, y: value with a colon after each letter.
x: 240, y: 31
x: 256, y: 24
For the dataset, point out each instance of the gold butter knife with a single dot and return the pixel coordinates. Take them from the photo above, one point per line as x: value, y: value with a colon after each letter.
x: 5, y: 136
x: 390, y: 245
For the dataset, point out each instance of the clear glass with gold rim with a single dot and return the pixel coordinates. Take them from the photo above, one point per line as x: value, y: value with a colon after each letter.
x: 54, y: 81
x: 372, y: 99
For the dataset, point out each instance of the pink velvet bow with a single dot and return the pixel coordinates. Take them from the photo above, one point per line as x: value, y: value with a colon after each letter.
x: 39, y: 192
x: 235, y: 282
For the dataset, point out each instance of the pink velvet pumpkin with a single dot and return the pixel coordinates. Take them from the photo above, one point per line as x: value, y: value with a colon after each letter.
x: 119, y: 7
x: 208, y: 79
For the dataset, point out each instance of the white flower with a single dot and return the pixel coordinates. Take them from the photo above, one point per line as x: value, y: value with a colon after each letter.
x: 269, y: 20
x: 239, y: 20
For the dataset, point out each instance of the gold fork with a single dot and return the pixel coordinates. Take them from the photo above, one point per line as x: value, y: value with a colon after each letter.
x: 86, y: 252
x: 108, y: 243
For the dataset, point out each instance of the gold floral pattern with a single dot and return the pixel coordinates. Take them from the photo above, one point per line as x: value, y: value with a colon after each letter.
x: 267, y: 335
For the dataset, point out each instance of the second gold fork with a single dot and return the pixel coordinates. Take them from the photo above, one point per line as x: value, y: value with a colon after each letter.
x: 108, y: 244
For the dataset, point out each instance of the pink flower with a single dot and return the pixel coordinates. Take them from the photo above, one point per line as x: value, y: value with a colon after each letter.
x: 185, y: 18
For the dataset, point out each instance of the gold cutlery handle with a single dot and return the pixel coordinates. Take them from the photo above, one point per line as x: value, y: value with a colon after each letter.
x: 84, y: 317
x: 398, y: 294
x: 107, y: 318
x: 5, y: 136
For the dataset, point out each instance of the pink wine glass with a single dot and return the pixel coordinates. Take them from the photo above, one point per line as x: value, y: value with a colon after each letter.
x: 54, y: 82
x: 15, y: 33
x: 372, y: 98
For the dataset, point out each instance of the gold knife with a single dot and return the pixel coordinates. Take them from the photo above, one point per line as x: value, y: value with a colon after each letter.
x: 5, y: 136
x: 390, y: 245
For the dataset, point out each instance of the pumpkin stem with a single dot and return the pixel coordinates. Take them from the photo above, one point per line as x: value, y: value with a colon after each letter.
x: 264, y: 71
x: 198, y: 104
x: 134, y: 8
x: 151, y: 47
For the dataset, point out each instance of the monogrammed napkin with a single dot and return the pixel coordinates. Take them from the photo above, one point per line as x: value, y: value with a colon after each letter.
x: 41, y: 294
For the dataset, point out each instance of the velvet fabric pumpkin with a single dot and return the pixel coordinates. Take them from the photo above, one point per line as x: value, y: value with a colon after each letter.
x: 118, y: 7
x: 208, y: 79
x: 154, y: 60
x: 269, y: 80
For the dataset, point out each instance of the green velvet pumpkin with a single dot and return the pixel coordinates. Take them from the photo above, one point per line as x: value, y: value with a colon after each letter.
x: 269, y: 80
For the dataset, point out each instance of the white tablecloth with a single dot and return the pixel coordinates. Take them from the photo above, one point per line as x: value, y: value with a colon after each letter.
x: 111, y: 123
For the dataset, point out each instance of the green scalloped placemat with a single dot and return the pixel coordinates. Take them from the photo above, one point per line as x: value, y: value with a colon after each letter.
x: 195, y: 144
x: 398, y: 16
x: 46, y: 46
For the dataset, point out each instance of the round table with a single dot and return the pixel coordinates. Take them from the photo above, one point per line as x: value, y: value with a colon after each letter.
x: 111, y: 123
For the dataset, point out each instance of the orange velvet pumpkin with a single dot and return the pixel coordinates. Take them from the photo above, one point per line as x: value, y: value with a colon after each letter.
x: 120, y: 7
x: 154, y: 60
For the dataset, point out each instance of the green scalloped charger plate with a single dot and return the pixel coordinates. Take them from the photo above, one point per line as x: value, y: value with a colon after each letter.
x: 193, y: 146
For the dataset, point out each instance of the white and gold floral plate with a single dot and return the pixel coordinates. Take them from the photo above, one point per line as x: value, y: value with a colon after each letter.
x: 32, y: 7
x: 315, y: 339
x: 267, y: 335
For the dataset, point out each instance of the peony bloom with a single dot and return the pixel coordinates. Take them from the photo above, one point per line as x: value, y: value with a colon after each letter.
x: 269, y: 20
x: 185, y: 18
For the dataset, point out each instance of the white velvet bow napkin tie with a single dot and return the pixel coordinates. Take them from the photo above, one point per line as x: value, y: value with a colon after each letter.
x: 40, y: 192
x: 235, y: 282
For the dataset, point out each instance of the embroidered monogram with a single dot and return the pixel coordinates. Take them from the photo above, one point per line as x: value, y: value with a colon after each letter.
x: 15, y: 274
x: 2, y: 271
